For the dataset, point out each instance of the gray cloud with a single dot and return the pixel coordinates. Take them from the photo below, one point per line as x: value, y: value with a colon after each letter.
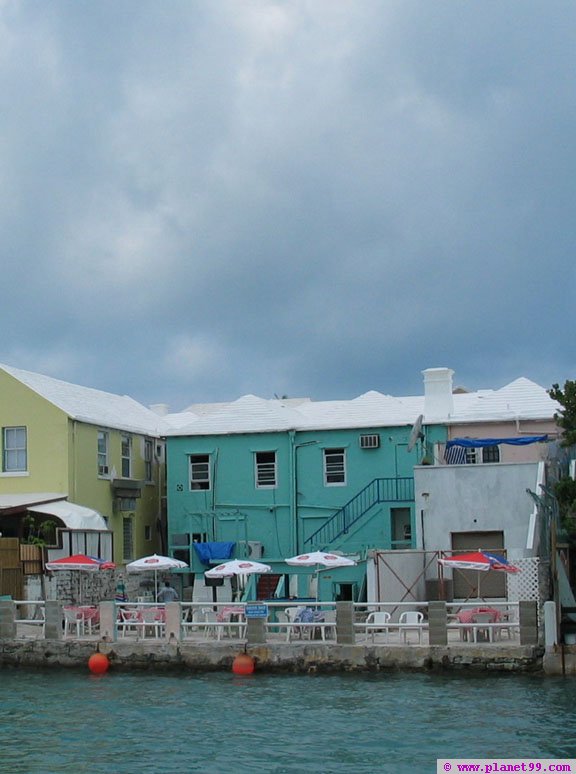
x: 199, y: 201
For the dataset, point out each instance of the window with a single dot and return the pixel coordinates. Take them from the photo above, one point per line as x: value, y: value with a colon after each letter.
x: 126, y: 456
x: 265, y: 470
x: 103, y: 469
x: 200, y: 471
x: 15, y: 450
x: 148, y: 454
x: 482, y: 454
x: 147, y: 532
x: 127, y: 540
x: 491, y: 454
x: 334, y: 467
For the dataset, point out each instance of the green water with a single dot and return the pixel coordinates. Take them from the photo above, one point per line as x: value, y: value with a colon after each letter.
x: 61, y: 721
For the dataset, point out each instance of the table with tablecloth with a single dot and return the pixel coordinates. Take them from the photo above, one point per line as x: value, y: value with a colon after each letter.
x: 468, y: 616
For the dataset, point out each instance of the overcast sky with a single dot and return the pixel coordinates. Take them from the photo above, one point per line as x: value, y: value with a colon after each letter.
x: 201, y: 199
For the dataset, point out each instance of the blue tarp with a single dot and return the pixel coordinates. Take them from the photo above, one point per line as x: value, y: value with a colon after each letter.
x: 208, y: 553
x: 477, y: 443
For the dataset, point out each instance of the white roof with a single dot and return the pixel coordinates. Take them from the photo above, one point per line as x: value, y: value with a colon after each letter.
x: 522, y: 399
x: 92, y: 406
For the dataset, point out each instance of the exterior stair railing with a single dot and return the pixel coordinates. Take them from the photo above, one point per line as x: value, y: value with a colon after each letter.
x: 380, y: 490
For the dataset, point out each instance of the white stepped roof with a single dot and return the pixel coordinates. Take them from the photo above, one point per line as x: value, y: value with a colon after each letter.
x: 92, y: 406
x: 522, y: 399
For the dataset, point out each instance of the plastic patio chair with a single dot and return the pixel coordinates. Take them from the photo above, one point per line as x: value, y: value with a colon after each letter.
x: 411, y: 620
x: 378, y: 621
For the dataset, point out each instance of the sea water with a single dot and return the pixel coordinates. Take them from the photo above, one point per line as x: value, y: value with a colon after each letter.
x: 68, y: 721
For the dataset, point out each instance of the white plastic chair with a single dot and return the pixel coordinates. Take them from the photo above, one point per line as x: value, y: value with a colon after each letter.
x: 73, y: 620
x: 378, y: 621
x: 411, y: 620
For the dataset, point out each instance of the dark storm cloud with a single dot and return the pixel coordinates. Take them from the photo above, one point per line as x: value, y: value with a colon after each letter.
x: 200, y: 200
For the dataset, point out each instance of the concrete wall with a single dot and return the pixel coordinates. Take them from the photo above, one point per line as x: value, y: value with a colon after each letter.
x: 471, y: 498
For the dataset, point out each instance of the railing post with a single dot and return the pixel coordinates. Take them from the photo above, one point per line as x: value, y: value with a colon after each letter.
x: 345, y: 634
x: 53, y: 623
x: 7, y: 619
x: 173, y: 626
x: 108, y: 630
x: 437, y: 623
x: 528, y: 617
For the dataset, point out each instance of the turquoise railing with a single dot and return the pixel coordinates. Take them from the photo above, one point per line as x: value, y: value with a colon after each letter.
x: 380, y: 490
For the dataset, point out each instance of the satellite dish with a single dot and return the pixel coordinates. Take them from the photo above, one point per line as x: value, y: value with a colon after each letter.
x: 416, y: 433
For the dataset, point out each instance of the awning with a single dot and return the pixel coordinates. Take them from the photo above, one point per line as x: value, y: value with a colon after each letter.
x: 74, y: 516
x: 477, y: 443
x: 20, y: 503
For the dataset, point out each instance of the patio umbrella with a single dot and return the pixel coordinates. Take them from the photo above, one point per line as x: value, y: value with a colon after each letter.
x: 155, y: 563
x: 317, y: 558
x: 82, y: 563
x: 481, y: 561
x: 236, y: 567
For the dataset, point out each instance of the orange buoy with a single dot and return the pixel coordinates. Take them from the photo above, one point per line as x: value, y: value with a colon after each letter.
x: 98, y: 663
x: 243, y: 664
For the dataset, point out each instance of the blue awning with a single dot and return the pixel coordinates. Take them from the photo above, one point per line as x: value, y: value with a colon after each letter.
x: 478, y: 443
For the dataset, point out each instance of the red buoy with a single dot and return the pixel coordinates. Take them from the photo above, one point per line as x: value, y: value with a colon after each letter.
x: 243, y: 664
x: 98, y: 663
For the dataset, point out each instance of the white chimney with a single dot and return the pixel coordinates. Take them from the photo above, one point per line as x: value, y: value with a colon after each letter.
x: 438, y: 401
x: 160, y: 408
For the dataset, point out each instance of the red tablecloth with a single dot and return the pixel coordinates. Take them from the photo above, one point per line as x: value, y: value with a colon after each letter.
x: 467, y: 616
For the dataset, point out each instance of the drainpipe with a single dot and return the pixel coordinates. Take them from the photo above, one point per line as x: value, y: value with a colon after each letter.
x: 294, y: 488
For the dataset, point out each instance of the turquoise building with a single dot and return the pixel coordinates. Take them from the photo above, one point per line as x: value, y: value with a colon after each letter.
x: 269, y: 479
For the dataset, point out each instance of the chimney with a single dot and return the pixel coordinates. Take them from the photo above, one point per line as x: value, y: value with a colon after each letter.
x: 438, y: 401
x: 160, y: 408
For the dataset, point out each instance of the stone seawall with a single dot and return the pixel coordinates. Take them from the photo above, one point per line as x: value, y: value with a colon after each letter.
x: 290, y: 657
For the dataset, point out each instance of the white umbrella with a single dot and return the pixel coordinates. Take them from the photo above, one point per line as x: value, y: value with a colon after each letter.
x: 155, y: 562
x: 236, y: 567
x: 317, y: 558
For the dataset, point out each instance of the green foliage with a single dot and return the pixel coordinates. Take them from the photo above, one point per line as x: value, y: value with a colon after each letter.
x: 38, y: 532
x: 566, y: 418
x: 565, y: 491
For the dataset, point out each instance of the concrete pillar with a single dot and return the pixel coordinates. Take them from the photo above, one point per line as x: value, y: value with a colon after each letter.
x: 173, y: 628
x: 108, y: 612
x: 7, y: 619
x: 53, y: 628
x: 437, y: 623
x: 255, y: 631
x: 345, y: 634
x: 550, y: 625
x: 528, y: 617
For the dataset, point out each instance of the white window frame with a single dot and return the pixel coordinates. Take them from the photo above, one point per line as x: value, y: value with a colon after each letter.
x: 475, y: 456
x: 126, y: 453
x: 265, y: 470
x: 103, y: 466
x: 200, y: 473
x: 10, y: 449
x: 334, y: 468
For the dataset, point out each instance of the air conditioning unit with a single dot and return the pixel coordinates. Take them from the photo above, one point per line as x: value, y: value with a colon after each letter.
x: 253, y: 549
x: 369, y: 441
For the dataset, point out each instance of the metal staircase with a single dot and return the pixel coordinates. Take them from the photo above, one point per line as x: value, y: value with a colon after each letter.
x: 380, y: 490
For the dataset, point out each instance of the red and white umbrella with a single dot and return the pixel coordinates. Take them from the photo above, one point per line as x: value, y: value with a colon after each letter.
x: 237, y: 567
x: 80, y: 562
x: 481, y: 561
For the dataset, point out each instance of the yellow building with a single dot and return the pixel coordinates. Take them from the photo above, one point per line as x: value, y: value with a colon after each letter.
x: 63, y: 442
